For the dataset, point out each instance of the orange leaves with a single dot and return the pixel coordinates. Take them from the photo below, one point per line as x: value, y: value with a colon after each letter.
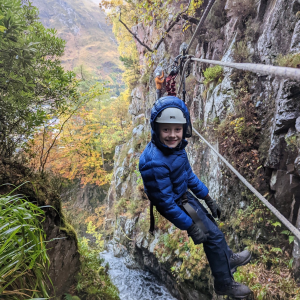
x: 86, y: 143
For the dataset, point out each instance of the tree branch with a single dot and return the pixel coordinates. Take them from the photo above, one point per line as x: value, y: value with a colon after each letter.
x: 190, y: 19
x: 135, y: 35
x: 43, y: 163
x: 177, y: 19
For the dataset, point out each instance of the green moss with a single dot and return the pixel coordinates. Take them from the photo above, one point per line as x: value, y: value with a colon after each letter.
x: 213, y: 74
x: 241, y: 52
x: 93, y: 279
x: 290, y: 60
x: 70, y: 231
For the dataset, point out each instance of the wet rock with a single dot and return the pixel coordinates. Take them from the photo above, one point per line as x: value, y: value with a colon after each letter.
x: 297, y: 165
x: 288, y: 107
x: 277, y: 155
x: 297, y: 124
x: 138, y: 102
x: 64, y: 256
x: 137, y: 131
x: 284, y: 185
x: 295, y: 43
x: 278, y: 24
x: 130, y: 262
x: 119, y: 250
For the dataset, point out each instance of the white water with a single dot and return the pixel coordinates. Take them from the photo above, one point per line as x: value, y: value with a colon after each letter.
x: 134, y: 284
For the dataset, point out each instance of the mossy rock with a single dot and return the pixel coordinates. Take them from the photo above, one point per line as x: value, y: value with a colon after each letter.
x: 75, y: 298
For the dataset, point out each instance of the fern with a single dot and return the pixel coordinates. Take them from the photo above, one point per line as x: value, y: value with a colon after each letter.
x: 68, y: 297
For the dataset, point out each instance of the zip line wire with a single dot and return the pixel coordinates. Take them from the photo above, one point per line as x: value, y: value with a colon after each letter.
x: 286, y: 222
x: 281, y: 72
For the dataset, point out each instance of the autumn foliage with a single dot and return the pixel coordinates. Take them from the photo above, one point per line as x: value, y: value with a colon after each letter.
x: 85, y: 146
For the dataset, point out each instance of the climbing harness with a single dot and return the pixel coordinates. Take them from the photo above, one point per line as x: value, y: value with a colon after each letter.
x: 192, y: 213
x: 188, y: 209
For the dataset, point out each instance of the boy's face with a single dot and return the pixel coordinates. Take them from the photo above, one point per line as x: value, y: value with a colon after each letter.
x: 170, y: 134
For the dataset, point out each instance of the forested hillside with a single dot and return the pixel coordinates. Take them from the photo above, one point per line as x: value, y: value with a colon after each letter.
x: 89, y: 38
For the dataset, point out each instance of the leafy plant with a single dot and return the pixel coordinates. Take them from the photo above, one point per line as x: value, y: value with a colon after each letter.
x: 289, y: 60
x: 24, y: 261
x: 93, y: 280
x: 213, y: 74
x: 70, y: 297
x: 241, y: 53
x: 33, y: 84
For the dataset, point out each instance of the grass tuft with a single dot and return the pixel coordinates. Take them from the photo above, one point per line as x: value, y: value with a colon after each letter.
x: 24, y: 261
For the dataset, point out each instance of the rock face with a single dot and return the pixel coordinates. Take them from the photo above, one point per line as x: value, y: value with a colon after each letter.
x: 63, y: 254
x: 247, y: 31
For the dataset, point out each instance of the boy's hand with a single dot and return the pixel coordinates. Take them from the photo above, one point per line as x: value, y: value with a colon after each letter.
x: 197, y: 235
x: 213, y: 206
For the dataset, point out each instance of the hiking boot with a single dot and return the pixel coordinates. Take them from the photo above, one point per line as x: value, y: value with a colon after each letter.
x: 233, y: 289
x: 239, y: 259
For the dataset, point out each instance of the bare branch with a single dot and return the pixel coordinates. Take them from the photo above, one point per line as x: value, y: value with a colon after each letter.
x: 54, y: 141
x: 177, y: 19
x: 190, y: 19
x: 135, y: 35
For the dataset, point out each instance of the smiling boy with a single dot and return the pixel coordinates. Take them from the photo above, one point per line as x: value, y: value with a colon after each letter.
x: 167, y: 176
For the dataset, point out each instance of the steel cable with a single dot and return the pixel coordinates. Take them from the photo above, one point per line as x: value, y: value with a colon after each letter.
x: 290, y: 226
x: 201, y: 22
x: 283, y: 72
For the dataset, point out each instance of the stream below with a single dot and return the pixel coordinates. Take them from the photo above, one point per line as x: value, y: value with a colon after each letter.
x: 134, y: 284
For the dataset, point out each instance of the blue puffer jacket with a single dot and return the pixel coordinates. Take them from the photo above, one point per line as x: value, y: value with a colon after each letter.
x: 166, y: 172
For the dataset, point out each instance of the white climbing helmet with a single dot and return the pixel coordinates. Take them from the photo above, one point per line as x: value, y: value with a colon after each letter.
x: 171, y: 115
x: 157, y: 74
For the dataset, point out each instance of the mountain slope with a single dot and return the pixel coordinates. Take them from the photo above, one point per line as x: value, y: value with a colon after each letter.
x: 90, y: 41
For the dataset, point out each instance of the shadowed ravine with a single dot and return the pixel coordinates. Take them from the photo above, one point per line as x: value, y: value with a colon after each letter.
x: 134, y: 284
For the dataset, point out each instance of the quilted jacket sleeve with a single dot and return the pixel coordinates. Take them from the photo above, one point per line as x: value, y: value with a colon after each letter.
x: 159, y: 189
x: 196, y: 185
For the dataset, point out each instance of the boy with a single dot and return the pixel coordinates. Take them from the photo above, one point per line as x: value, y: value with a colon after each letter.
x: 167, y: 175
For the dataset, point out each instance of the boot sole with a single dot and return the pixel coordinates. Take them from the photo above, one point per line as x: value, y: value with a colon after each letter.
x: 245, y: 262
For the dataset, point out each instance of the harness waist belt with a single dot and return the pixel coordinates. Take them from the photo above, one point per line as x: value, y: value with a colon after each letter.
x: 192, y: 213
x: 188, y: 209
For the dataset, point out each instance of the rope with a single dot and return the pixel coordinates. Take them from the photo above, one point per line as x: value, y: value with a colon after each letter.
x: 201, y: 22
x: 291, y: 227
x: 183, y: 74
x: 283, y: 72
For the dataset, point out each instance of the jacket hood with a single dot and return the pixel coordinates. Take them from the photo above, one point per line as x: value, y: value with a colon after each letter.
x: 159, y: 106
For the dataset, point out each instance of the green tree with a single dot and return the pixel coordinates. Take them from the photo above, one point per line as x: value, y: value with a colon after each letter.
x: 33, y: 84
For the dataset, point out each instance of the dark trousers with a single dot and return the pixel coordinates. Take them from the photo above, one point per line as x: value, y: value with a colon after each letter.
x: 158, y: 94
x: 216, y: 248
